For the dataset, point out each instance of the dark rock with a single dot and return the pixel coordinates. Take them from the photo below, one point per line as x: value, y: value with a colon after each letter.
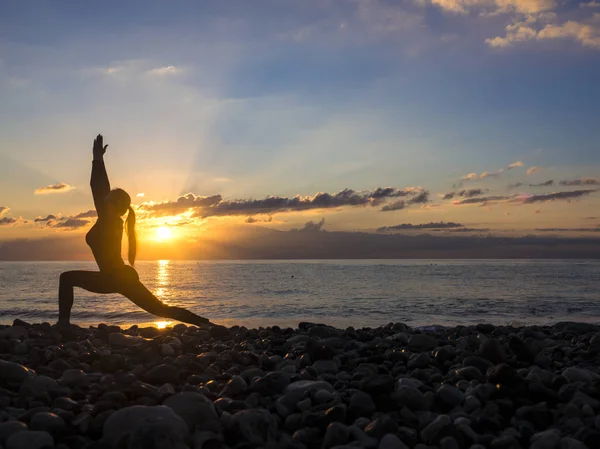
x: 30, y: 440
x: 378, y: 384
x: 502, y: 374
x: 256, y: 426
x: 421, y: 342
x: 271, y: 384
x: 162, y: 374
x: 194, y: 408
x: 380, y: 426
x: 48, y: 422
x: 335, y: 435
x: 491, y: 350
x: 361, y: 404
x: 9, y: 428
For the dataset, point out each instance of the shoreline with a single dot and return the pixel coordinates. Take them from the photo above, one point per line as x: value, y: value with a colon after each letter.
x: 390, y: 387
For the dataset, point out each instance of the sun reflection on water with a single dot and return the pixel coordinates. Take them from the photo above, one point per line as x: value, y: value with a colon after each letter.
x: 162, y: 280
x: 163, y: 324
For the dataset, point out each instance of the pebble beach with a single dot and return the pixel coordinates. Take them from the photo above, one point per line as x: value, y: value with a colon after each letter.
x: 315, y: 386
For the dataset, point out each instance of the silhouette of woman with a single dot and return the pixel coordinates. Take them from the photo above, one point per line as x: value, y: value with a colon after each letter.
x: 104, y: 238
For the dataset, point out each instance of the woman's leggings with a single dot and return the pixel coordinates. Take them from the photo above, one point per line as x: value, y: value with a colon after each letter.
x: 124, y: 281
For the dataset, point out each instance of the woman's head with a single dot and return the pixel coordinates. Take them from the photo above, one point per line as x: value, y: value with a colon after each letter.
x: 118, y: 202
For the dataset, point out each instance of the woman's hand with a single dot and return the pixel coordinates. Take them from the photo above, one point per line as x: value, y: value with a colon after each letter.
x: 99, y: 147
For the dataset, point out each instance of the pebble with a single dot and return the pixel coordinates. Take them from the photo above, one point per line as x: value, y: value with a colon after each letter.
x: 256, y: 426
x: 13, y: 373
x: 335, y: 435
x: 48, y: 422
x: 124, y: 421
x: 194, y: 408
x: 391, y: 441
x: 548, y: 439
x: 361, y: 404
x: 305, y: 386
x: 421, y: 342
x: 9, y: 428
x: 74, y: 378
x: 30, y: 440
x: 449, y: 395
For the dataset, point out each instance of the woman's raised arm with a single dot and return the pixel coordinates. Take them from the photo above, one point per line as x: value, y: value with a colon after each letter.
x: 99, y: 181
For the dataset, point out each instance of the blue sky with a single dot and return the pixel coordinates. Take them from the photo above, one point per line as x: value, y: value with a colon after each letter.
x: 254, y: 98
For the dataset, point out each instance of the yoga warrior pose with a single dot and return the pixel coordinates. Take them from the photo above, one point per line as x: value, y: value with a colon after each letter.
x: 104, y: 238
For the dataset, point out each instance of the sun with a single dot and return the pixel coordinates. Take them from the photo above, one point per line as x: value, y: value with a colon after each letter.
x: 163, y: 233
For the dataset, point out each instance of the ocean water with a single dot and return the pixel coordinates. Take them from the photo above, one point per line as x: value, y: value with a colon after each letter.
x: 338, y: 292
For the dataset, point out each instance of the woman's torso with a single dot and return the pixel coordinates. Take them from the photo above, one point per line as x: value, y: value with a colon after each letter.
x: 104, y: 239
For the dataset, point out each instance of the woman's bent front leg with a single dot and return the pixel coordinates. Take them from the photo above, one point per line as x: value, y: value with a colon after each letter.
x: 93, y: 281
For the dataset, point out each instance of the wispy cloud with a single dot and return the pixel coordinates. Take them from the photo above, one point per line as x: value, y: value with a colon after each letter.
x: 311, y: 226
x: 4, y: 210
x: 548, y: 183
x: 575, y: 194
x: 431, y: 225
x: 517, y: 164
x: 533, y: 169
x: 215, y: 205
x: 466, y: 193
x: 89, y: 214
x: 164, y: 71
x: 492, y: 199
x: 45, y: 219
x: 10, y: 221
x: 59, y: 187
x: 581, y: 182
x: 71, y: 223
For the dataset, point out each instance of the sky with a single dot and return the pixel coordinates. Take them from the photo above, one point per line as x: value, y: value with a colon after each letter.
x: 344, y: 115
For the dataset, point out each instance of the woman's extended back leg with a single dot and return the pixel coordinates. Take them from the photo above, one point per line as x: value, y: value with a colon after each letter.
x: 92, y: 281
x: 144, y: 298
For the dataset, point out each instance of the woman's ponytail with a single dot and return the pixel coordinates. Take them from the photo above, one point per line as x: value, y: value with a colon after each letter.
x: 131, y: 235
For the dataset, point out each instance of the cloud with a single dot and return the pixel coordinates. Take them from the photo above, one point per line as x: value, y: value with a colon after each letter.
x: 483, y: 200
x: 514, y: 186
x: 89, y: 214
x: 586, y: 34
x: 556, y: 196
x: 8, y: 221
x: 568, y: 229
x: 207, y: 206
x: 54, y: 188
x: 592, y: 4
x: 431, y: 225
x: 469, y: 230
x: 466, y: 193
x: 164, y: 71
x: 140, y: 195
x: 4, y: 210
x: 71, y: 223
x: 311, y: 226
x: 581, y: 182
x: 421, y: 198
x: 45, y: 219
x: 495, y: 6
x: 515, y: 165
x: 548, y: 183
x: 533, y: 169
x: 251, y: 220
x: 486, y: 174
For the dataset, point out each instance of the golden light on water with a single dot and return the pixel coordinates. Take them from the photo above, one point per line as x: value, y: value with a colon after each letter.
x: 162, y: 280
x: 163, y: 324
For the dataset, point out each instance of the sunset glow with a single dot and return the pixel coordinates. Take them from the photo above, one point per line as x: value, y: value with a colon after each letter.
x: 163, y: 234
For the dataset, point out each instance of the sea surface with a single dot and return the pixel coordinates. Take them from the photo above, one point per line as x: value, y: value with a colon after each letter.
x: 359, y: 293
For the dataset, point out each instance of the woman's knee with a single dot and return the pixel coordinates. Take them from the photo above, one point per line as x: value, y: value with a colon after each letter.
x: 66, y: 278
